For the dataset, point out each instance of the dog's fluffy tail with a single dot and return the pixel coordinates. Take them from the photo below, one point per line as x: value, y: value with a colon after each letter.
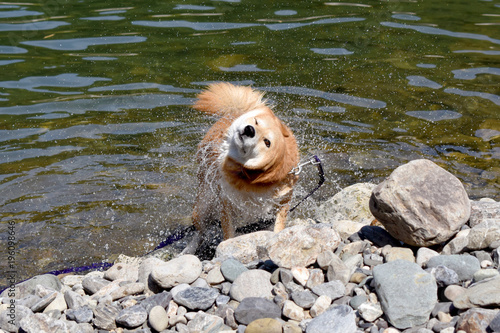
x: 227, y: 99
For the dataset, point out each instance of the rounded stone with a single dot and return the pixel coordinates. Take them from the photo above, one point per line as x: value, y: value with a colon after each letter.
x: 268, y: 325
x: 252, y: 283
x: 231, y: 269
x: 184, y: 269
x: 453, y: 291
x: 158, y: 318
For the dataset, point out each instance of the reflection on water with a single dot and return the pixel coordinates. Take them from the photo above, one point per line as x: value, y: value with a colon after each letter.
x: 97, y: 137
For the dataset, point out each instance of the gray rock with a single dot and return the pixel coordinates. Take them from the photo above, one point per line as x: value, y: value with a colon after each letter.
x: 205, y: 323
x: 299, y: 246
x: 444, y: 276
x: 162, y: 299
x: 43, y: 302
x: 351, y: 203
x: 338, y: 270
x: 184, y: 269
x: 337, y: 319
x: 244, y: 248
x: 105, y: 315
x: 80, y: 315
x: 333, y: 289
x: 252, y: 283
x: 73, y: 300
x: 464, y: 265
x: 196, y: 298
x: 253, y: 308
x: 483, y: 210
x: 231, y: 269
x: 304, y: 299
x: 398, y: 284
x: 356, y: 301
x: 10, y: 318
x: 421, y: 204
x: 39, y: 322
x: 132, y: 317
x: 28, y: 287
x: 92, y: 284
x: 495, y: 323
x: 483, y: 294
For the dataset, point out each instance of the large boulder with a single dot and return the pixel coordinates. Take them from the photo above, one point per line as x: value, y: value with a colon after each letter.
x: 421, y: 204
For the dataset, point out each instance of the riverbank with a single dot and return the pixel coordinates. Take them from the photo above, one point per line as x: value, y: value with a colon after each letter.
x: 341, y: 270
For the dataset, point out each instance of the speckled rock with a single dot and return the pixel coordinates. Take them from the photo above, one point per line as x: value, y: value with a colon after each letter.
x: 301, y: 245
x: 244, y: 248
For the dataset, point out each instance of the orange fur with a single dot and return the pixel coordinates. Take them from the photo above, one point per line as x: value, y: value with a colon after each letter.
x: 244, y: 160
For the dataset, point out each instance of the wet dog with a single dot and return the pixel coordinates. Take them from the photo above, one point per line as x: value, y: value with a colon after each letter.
x: 245, y: 161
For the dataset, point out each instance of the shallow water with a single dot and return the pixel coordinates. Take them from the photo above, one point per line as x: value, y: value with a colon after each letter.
x: 97, y: 137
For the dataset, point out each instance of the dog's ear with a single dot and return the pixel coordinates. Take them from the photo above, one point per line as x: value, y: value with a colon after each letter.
x: 285, y: 130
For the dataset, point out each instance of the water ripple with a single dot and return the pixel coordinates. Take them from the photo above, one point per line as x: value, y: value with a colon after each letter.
x: 109, y: 103
x: 420, y: 81
x: 93, y: 131
x: 470, y: 73
x: 210, y: 26
x: 341, y: 98
x: 492, y: 97
x: 437, y: 31
x: 77, y: 44
x: 18, y: 13
x: 61, y: 80
x: 32, y: 26
x: 437, y: 115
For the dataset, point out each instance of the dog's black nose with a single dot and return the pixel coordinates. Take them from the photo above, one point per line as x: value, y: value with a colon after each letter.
x: 249, y: 131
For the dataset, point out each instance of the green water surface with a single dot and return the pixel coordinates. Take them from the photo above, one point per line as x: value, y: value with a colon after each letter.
x: 97, y: 137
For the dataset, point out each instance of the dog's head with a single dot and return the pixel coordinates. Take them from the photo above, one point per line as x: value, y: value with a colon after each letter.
x: 262, y: 146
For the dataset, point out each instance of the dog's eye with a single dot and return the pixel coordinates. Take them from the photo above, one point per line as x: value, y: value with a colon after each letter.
x: 267, y: 142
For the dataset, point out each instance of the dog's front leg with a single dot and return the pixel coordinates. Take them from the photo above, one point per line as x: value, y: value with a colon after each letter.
x: 225, y: 221
x: 279, y: 224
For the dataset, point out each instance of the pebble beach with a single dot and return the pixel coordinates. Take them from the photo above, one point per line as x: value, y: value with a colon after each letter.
x: 412, y: 254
